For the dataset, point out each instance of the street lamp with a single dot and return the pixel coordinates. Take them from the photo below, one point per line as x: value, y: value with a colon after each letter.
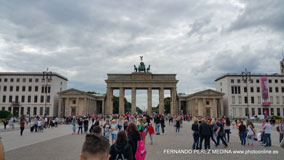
x: 246, y: 76
x: 46, y: 76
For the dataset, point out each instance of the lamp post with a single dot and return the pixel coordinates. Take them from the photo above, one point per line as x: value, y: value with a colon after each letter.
x: 46, y: 76
x: 246, y: 76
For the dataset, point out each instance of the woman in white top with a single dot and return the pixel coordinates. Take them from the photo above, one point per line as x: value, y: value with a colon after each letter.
x: 227, y: 129
x: 251, y: 134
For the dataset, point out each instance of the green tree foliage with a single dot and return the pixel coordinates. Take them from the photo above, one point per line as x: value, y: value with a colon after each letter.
x: 91, y: 92
x: 167, y: 104
x: 126, y: 103
x: 5, y: 114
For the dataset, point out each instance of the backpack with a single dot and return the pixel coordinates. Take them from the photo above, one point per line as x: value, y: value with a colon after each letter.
x: 119, y: 155
x: 141, y: 150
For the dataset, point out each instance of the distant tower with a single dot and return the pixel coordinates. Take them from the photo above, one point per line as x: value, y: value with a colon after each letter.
x: 282, y: 65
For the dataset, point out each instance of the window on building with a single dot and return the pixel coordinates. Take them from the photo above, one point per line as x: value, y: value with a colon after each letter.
x: 240, y: 99
x: 277, y: 100
x: 4, y: 99
x: 278, y: 111
x: 18, y: 79
x: 239, y: 90
x: 251, y: 81
x: 11, y: 88
x: 3, y: 108
x: 10, y: 109
x: 48, y: 99
x: 233, y: 99
x: 22, y: 110
x: 73, y: 102
x: 41, y: 111
x: 17, y: 99
x: 35, y: 111
x: 41, y: 99
x: 269, y: 81
x: 276, y: 80
x: 246, y: 100
x: 28, y: 110
x: 10, y: 99
x: 282, y: 80
x: 282, y: 89
x: 247, y: 112
x: 272, y: 111
x: 220, y: 83
x: 5, y: 80
x: 0, y: 80
x: 270, y: 89
x: 49, y: 89
x: 36, y: 88
x: 24, y: 89
x: 257, y: 89
x: 252, y: 100
x: 47, y: 111
x: 24, y: 79
x: 5, y: 88
x: 245, y: 89
x: 258, y: 99
x: 36, y: 80
x: 42, y: 89
x: 23, y: 99
x: 251, y: 89
x: 17, y: 88
x: 259, y: 111
x: 252, y: 112
x: 282, y: 99
x: 29, y: 99
x: 232, y: 81
x: 233, y: 89
x: 30, y: 80
x: 276, y: 89
x: 12, y: 80
x: 30, y: 88
x: 271, y: 99
x: 257, y: 81
x: 35, y: 99
x: 239, y: 81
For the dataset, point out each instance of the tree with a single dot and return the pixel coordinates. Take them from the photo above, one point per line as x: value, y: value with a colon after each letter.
x: 5, y: 114
x: 167, y: 105
x: 127, y: 106
x: 91, y: 92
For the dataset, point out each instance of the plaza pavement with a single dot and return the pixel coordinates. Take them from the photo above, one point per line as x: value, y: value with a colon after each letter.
x: 59, y: 144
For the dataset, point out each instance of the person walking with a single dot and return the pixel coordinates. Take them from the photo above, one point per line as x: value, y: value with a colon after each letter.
x: 143, y: 128
x: 177, y: 125
x: 5, y: 122
x: 214, y: 128
x: 74, y: 129
x: 281, y: 131
x: 251, y: 133
x: 267, y: 134
x: 157, y: 122
x: 86, y: 125
x: 220, y: 133
x: 228, y: 129
x: 195, y: 129
x: 151, y: 132
x: 22, y: 126
x: 242, y: 133
x: 133, y: 136
x: 80, y: 125
x: 114, y: 130
x: 121, y: 149
x: 205, y: 133
x: 163, y: 124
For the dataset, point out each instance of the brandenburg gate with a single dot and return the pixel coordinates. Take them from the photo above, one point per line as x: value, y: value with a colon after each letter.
x: 141, y: 79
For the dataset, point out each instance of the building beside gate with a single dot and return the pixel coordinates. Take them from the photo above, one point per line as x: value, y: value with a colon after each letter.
x: 29, y: 93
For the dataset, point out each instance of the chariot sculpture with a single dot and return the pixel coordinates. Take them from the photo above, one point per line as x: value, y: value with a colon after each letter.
x: 142, y: 67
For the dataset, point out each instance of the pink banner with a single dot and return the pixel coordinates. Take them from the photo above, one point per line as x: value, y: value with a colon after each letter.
x: 264, y: 87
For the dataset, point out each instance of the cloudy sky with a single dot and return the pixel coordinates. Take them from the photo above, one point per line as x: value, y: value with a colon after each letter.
x: 198, y: 40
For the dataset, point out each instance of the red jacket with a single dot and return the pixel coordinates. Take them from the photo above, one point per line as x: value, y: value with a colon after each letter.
x: 151, y: 130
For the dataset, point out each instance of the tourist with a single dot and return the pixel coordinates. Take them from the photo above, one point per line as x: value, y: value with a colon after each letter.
x: 114, y: 130
x: 5, y: 122
x: 22, y: 126
x: 80, y: 125
x: 121, y: 149
x: 97, y: 130
x: 86, y: 125
x: 125, y: 124
x: 163, y: 124
x: 73, y: 129
x: 36, y: 124
x: 120, y: 123
x: 214, y: 128
x: 281, y: 131
x: 227, y: 129
x: 143, y: 128
x: 32, y: 125
x: 39, y: 124
x: 133, y: 136
x: 56, y: 121
x: 95, y: 147
x: 220, y: 133
x: 157, y: 122
x: 195, y: 129
x: 151, y: 132
x: 106, y: 131
x: 11, y: 123
x: 242, y: 133
x: 251, y: 133
x: 131, y: 119
x: 177, y: 125
x: 205, y: 133
x: 267, y: 133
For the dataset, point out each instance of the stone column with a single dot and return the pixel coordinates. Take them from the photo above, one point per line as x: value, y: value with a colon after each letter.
x: 103, y: 106
x: 109, y: 102
x: 215, y: 108
x: 149, y: 101
x: 133, y: 101
x: 173, y: 101
x: 85, y: 107
x: 161, y: 101
x: 95, y: 106
x: 67, y: 108
x: 222, y: 107
x: 77, y: 106
x: 121, y: 101
x: 187, y: 106
x: 199, y: 107
x: 60, y: 107
x: 179, y: 106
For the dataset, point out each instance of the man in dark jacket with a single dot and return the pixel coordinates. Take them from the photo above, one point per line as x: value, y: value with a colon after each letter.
x: 157, y: 122
x: 205, y: 133
x: 132, y: 140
